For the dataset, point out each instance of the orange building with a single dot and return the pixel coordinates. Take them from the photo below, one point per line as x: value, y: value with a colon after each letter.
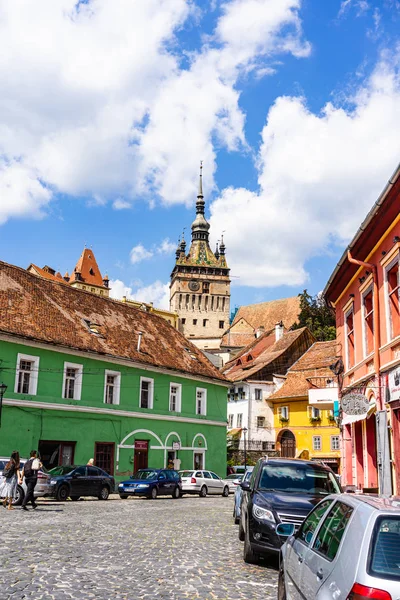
x: 364, y: 290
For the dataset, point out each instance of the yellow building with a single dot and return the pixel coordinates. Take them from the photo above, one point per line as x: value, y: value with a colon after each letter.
x: 171, y: 317
x: 303, y: 430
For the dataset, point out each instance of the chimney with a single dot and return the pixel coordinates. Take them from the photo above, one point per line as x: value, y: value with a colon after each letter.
x: 278, y: 331
x: 259, y: 331
x: 140, y: 333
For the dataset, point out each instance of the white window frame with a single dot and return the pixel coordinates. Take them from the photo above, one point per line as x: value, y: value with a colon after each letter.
x: 204, y: 401
x: 117, y: 386
x: 239, y: 422
x: 34, y: 374
x: 315, y: 412
x: 78, y: 380
x: 255, y: 393
x: 283, y: 412
x: 347, y: 313
x: 314, y: 439
x: 365, y: 292
x: 259, y: 421
x: 230, y: 421
x: 336, y: 437
x: 389, y: 324
x: 151, y: 392
x: 178, y: 386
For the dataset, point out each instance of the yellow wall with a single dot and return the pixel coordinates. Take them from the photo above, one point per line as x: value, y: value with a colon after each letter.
x: 303, y: 430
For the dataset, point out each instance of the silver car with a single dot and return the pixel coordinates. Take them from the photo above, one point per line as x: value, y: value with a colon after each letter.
x: 42, y: 488
x: 238, y: 496
x: 348, y: 547
x: 203, y: 482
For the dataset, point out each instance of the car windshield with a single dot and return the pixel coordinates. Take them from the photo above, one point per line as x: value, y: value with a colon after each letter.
x: 145, y: 474
x: 247, y: 475
x: 298, y: 479
x: 385, y: 546
x: 186, y: 473
x: 63, y: 470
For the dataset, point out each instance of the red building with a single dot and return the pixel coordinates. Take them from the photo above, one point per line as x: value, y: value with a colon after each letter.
x: 364, y: 290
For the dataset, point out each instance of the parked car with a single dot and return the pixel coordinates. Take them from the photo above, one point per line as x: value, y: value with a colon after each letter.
x: 42, y: 488
x: 233, y: 482
x: 238, y: 496
x: 280, y: 490
x: 152, y: 483
x: 203, y: 482
x: 348, y: 547
x: 74, y: 481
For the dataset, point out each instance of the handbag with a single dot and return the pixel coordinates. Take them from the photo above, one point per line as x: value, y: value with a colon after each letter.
x: 9, y: 470
x: 36, y: 464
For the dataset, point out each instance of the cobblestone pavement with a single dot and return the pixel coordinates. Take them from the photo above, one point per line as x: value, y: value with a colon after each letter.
x: 128, y: 549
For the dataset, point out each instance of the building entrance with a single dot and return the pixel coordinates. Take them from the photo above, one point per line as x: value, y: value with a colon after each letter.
x: 288, y: 444
x: 53, y: 454
x: 141, y: 455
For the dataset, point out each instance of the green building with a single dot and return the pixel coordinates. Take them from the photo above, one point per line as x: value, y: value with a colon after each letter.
x: 91, y: 377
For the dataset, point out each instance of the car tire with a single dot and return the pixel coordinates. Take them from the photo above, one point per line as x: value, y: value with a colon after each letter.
x: 104, y: 493
x: 20, y: 495
x: 236, y: 520
x: 281, y: 585
x: 241, y: 531
x: 176, y: 493
x: 62, y: 493
x: 123, y: 496
x: 249, y: 556
x: 203, y: 491
x: 74, y: 498
x: 153, y: 494
x: 225, y: 492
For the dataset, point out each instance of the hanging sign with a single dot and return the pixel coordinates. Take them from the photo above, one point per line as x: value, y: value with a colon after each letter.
x: 176, y: 445
x: 354, y: 404
x: 141, y: 445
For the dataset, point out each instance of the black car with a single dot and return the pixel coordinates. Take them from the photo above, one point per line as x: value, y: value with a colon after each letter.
x: 152, y: 483
x: 279, y: 491
x: 76, y: 481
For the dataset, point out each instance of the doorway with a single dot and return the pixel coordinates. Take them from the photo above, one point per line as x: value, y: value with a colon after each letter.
x: 288, y: 444
x: 198, y: 460
x: 53, y: 454
x: 141, y: 455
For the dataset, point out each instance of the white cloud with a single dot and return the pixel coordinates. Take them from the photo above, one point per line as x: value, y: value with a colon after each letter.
x: 157, y: 293
x: 139, y: 253
x: 121, y: 204
x: 319, y: 175
x: 166, y: 247
x: 118, y: 289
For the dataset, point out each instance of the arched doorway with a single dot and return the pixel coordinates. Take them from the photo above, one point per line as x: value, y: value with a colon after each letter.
x: 288, y: 444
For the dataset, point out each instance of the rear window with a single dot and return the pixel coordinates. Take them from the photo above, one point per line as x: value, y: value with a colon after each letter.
x: 186, y: 473
x: 297, y: 479
x: 385, y: 548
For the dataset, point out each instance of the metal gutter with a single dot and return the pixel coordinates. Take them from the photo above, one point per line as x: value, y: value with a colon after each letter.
x: 363, y: 226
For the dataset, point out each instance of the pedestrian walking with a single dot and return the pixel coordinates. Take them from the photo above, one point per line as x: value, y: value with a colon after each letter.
x: 30, y: 472
x: 11, y: 478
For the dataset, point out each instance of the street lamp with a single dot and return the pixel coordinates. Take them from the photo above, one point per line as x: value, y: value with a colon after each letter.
x: 3, y: 389
x: 245, y: 449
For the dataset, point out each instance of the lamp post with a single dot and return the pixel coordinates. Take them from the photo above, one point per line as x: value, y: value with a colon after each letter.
x: 245, y: 447
x: 3, y: 389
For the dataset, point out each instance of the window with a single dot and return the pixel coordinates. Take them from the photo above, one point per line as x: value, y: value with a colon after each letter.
x: 230, y: 421
x: 384, y: 551
x: 214, y: 476
x: 368, y: 321
x: 112, y: 387
x: 241, y: 393
x: 329, y: 536
x: 104, y: 456
x: 335, y: 442
x: 201, y: 401
x: 146, y: 393
x: 72, y: 384
x: 183, y: 321
x: 349, y: 327
x: 206, y: 475
x: 260, y: 421
x: 205, y: 322
x: 221, y: 324
x: 93, y: 472
x: 175, y: 393
x: 26, y: 378
x: 239, y: 419
x: 315, y: 413
x: 194, y: 321
x: 393, y: 292
x: 311, y: 523
x: 283, y: 413
x: 258, y: 394
x: 206, y: 287
x: 316, y: 442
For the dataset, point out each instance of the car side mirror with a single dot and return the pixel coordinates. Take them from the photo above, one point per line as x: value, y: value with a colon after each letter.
x: 285, y: 529
x: 245, y: 485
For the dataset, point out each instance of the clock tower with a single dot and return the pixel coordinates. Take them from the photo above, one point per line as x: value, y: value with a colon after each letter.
x: 200, y: 285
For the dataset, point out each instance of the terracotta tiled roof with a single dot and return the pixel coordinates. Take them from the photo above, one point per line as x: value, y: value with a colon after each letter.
x: 51, y: 312
x: 314, y: 363
x: 262, y: 352
x: 43, y: 273
x: 236, y: 340
x: 87, y: 267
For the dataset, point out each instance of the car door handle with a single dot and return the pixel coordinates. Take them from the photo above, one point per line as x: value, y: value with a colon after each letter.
x: 300, y: 558
x: 320, y: 574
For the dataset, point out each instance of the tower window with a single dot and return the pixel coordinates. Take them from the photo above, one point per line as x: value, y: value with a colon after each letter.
x: 205, y: 322
x: 194, y: 321
x: 206, y: 287
x: 183, y: 321
x: 221, y: 324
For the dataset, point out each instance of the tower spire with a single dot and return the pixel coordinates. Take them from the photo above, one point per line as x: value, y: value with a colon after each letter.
x: 200, y: 194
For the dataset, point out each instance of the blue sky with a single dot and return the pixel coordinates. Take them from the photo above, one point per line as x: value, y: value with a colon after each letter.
x: 107, y: 109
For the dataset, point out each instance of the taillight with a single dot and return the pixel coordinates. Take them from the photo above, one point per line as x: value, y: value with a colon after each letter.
x: 42, y: 476
x: 364, y: 592
x: 193, y: 480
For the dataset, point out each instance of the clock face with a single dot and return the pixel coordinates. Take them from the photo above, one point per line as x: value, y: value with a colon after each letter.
x: 194, y: 286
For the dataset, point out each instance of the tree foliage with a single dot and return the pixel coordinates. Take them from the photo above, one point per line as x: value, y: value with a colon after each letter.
x: 315, y: 315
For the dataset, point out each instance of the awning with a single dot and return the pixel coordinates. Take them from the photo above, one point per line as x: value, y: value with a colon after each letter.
x: 348, y: 419
x: 234, y: 431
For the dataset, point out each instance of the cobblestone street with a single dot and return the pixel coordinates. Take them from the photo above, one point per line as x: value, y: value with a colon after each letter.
x: 128, y: 549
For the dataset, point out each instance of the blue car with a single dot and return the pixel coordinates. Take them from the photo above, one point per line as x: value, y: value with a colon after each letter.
x: 238, y: 496
x: 152, y: 483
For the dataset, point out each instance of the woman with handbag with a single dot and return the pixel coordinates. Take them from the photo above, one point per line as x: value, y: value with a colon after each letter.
x: 12, y: 476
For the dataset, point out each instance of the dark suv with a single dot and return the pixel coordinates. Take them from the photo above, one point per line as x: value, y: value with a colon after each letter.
x: 280, y: 490
x: 152, y: 483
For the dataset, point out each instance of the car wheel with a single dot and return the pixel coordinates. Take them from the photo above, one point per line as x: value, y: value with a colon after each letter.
x: 123, y: 497
x: 176, y: 493
x: 74, y: 498
x: 249, y: 556
x: 19, y: 496
x: 62, y: 493
x: 203, y: 492
x: 281, y: 585
x: 104, y: 493
x: 241, y: 531
x: 225, y: 492
x: 153, y: 493
x: 237, y: 520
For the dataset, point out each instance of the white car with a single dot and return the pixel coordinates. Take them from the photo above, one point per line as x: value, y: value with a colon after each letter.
x: 42, y: 488
x: 233, y: 481
x: 203, y: 482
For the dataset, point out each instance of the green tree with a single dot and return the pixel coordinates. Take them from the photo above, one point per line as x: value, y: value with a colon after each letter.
x: 315, y: 315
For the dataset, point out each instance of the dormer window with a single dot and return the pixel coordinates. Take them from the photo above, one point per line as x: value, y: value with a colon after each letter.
x: 94, y: 328
x: 249, y: 358
x: 91, y: 271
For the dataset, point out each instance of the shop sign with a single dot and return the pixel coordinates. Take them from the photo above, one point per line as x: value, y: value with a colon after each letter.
x: 176, y: 445
x: 355, y: 404
x: 141, y: 445
x: 394, y: 384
